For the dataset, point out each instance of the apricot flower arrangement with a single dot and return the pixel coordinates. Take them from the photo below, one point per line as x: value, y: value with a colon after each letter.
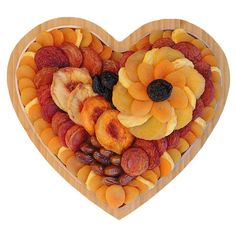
x: 119, y: 121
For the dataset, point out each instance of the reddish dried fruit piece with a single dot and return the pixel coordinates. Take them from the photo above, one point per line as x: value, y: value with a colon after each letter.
x: 73, y: 53
x: 161, y: 145
x: 173, y: 140
x: 125, y: 179
x: 189, y: 50
x: 134, y: 161
x: 50, y: 56
x: 58, y: 119
x: 198, y: 109
x: 163, y: 42
x: 44, y: 95
x: 91, y: 61
x: 75, y: 136
x: 48, y: 110
x: 44, y: 76
x: 150, y: 148
x: 209, y: 92
x: 185, y: 130
x: 124, y: 58
x: 62, y: 129
x: 204, y: 69
x: 110, y: 65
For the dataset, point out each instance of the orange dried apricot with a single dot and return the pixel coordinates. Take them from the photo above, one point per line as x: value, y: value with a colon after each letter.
x: 162, y: 69
x: 95, y: 183
x: 96, y: 44
x: 27, y: 95
x: 198, y: 43
x: 58, y: 37
x: 138, y: 91
x: 28, y: 61
x: 174, y: 154
x: 150, y: 176
x: 167, y: 34
x: 35, y: 112
x: 145, y: 73
x: 178, y: 98
x: 74, y: 165
x: 86, y: 39
x: 210, y: 59
x: 83, y: 173
x: 69, y: 35
x: 162, y: 111
x: 47, y: 135
x: 25, y: 83
x: 197, y: 129
x: 139, y: 185
x: 141, y: 108
x: 156, y: 170
x: 25, y: 71
x: 142, y: 43
x: 130, y: 193
x: 183, y: 145
x: 101, y: 193
x: 190, y: 137
x: 217, y: 88
x: 64, y: 154
x: 154, y: 36
x: 208, y: 113
x: 213, y: 103
x: 116, y: 56
x: 215, y: 76
x: 54, y: 145
x: 40, y: 125
x: 205, y: 52
x: 45, y: 39
x: 115, y: 196
x: 34, y: 47
x: 166, y: 164
x: 176, y: 78
x: 107, y: 53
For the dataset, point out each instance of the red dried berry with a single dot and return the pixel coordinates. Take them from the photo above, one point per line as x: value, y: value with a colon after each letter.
x: 173, y: 139
x: 204, y: 69
x: 198, y: 109
x: 185, y: 130
x: 189, y: 50
x: 161, y: 145
x: 163, y: 42
x: 110, y: 65
x: 209, y: 92
x: 50, y: 56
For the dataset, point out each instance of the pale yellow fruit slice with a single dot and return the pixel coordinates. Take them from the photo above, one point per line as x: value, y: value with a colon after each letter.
x: 181, y: 62
x: 131, y: 121
x: 88, y: 181
x: 184, y: 116
x: 149, y: 184
x: 30, y: 104
x: 201, y: 122
x: 124, y: 78
x: 191, y: 96
x: 171, y: 125
x: 180, y: 35
x: 79, y: 37
x: 150, y: 56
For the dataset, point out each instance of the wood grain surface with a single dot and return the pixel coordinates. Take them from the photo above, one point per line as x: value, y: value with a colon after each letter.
x: 117, y: 46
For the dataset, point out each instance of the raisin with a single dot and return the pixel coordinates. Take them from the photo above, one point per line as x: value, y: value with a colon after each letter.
x: 159, y: 90
x: 97, y: 85
x: 108, y: 79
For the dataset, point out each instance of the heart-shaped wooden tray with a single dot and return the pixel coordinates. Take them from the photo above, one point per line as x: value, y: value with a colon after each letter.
x: 116, y: 46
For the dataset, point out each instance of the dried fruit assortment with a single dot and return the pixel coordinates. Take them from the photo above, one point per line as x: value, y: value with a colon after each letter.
x: 119, y: 121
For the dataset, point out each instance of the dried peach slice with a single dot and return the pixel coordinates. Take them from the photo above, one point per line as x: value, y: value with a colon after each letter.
x: 93, y: 107
x: 111, y: 134
x: 151, y: 130
x: 184, y: 116
x: 162, y: 69
x: 58, y: 37
x: 121, y: 98
x: 115, y: 196
x: 138, y: 91
x: 162, y: 111
x: 130, y: 193
x: 132, y: 63
x: 69, y: 35
x: 178, y: 98
x: 131, y: 121
x: 45, y: 39
x: 176, y: 78
x: 145, y: 73
x: 141, y: 108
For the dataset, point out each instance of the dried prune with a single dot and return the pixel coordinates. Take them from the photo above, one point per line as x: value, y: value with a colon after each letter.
x: 159, y: 90
x: 97, y: 85
x: 108, y: 79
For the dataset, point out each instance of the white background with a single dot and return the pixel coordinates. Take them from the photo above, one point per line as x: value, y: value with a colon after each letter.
x: 35, y: 200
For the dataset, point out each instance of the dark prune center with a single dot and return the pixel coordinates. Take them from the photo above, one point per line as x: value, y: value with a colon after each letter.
x: 108, y: 79
x: 159, y: 90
